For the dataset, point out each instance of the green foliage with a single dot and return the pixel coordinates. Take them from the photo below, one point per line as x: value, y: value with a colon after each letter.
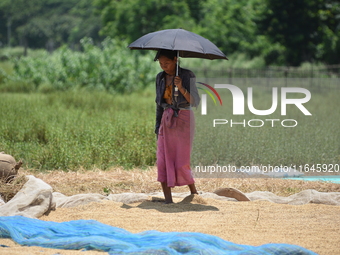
x: 3, y: 75
x: 111, y: 67
x: 7, y: 53
x: 229, y: 25
x: 131, y: 19
x: 17, y: 86
x: 106, y: 190
x: 89, y: 22
x: 279, y: 32
x: 49, y: 23
x: 329, y: 50
x: 304, y: 28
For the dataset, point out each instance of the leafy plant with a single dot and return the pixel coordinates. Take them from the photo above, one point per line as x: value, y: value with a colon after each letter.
x: 109, y: 67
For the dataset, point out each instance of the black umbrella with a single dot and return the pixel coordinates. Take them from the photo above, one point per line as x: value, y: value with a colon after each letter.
x: 188, y: 44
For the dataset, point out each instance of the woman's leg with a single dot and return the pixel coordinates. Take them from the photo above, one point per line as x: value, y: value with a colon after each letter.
x: 192, y: 188
x: 167, y: 193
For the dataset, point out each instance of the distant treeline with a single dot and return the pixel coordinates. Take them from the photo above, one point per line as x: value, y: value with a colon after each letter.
x: 282, y: 32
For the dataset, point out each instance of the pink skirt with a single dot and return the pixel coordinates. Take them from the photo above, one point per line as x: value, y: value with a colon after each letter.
x: 174, y: 145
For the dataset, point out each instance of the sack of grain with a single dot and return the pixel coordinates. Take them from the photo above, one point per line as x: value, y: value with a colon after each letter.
x: 8, y: 167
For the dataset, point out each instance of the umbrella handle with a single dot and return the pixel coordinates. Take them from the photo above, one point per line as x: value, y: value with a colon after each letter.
x: 177, y: 63
x: 176, y: 88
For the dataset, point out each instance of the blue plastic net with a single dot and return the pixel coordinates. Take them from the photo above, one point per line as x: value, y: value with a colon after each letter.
x: 93, y: 235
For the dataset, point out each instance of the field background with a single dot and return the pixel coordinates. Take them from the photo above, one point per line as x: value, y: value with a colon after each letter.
x: 95, y: 109
x: 315, y: 140
x: 66, y: 131
x: 77, y: 106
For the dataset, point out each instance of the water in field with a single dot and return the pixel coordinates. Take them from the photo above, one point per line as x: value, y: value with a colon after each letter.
x: 325, y: 178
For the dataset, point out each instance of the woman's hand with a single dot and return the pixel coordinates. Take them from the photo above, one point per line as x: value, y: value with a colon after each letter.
x: 184, y: 92
x: 178, y: 82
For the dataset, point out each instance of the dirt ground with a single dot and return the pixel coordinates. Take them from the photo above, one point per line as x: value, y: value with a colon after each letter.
x: 313, y: 226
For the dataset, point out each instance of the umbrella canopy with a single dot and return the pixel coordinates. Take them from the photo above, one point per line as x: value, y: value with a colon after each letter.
x: 188, y: 44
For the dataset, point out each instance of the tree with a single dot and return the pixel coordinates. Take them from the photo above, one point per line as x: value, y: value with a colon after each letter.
x: 89, y: 23
x: 15, y: 12
x: 300, y: 26
x: 49, y: 23
x: 329, y: 49
x: 131, y: 19
x: 229, y: 24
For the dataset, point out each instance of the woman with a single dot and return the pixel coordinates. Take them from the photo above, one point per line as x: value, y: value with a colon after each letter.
x: 175, y: 123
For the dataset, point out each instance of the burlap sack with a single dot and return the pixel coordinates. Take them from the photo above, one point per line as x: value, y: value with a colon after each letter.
x: 231, y: 192
x: 8, y: 167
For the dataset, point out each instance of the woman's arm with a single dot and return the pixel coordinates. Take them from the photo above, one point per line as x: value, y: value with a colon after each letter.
x: 187, y: 87
x: 182, y: 89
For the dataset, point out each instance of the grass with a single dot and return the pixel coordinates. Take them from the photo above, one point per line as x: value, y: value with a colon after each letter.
x: 7, y: 67
x: 315, y: 140
x: 69, y: 130
x: 90, y: 129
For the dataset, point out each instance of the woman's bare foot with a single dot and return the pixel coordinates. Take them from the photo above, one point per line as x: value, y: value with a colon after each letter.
x: 167, y: 193
x: 192, y: 188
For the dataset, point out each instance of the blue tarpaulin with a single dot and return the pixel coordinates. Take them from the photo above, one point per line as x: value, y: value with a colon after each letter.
x: 93, y: 235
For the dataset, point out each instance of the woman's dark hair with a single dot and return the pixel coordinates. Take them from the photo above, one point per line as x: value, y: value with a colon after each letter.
x: 170, y: 54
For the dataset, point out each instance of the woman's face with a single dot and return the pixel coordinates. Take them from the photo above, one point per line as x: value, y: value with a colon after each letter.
x: 168, y: 65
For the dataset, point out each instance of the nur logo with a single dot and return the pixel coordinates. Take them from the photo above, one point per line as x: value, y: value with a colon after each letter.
x: 239, y: 99
x: 204, y: 97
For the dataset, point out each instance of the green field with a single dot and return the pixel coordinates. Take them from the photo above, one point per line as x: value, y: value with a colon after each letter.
x: 69, y: 130
x: 96, y: 109
x: 78, y: 129
x: 314, y: 140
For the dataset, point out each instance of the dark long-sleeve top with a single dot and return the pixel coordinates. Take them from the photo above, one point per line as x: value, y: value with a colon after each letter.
x: 188, y: 82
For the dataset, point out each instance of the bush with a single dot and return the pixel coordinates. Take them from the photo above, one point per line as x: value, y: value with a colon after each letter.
x: 110, y: 67
x: 3, y: 75
x: 17, y: 87
x: 10, y: 53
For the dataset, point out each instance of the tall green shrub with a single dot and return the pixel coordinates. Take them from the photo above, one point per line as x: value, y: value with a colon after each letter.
x: 110, y: 66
